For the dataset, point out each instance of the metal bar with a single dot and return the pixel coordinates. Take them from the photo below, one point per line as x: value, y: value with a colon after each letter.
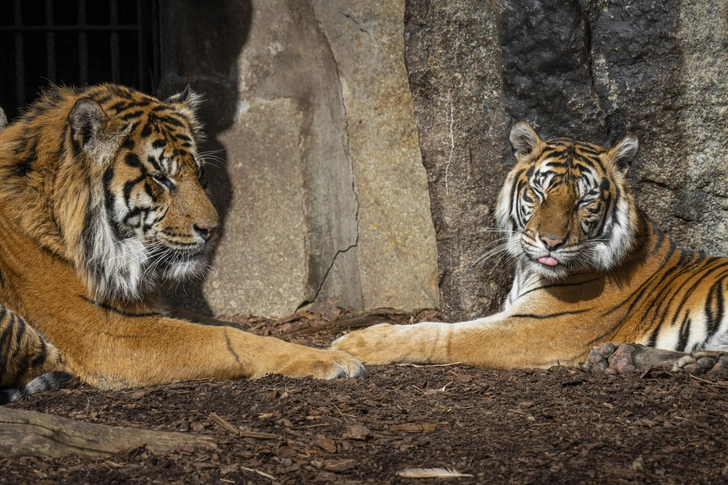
x: 155, y: 45
x: 50, y: 44
x: 82, y: 43
x: 19, y: 61
x: 115, y: 61
x: 66, y: 28
x: 141, y: 51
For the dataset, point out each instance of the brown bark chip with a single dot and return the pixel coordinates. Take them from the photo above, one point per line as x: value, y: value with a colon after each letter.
x: 326, y: 444
x: 357, y: 432
x: 338, y: 466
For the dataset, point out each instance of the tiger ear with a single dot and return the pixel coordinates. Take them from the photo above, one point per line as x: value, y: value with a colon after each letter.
x: 93, y: 131
x: 86, y: 120
x: 524, y: 139
x: 623, y: 153
x: 186, y: 103
x: 180, y: 97
x: 185, y: 99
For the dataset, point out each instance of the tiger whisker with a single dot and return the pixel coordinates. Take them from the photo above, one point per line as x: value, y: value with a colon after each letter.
x: 208, y: 152
x: 489, y: 254
x: 507, y: 256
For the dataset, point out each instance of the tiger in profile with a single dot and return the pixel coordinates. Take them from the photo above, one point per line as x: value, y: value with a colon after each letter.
x: 100, y: 202
x: 591, y: 269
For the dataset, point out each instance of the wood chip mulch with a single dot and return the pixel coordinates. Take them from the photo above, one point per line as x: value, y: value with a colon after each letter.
x: 560, y: 425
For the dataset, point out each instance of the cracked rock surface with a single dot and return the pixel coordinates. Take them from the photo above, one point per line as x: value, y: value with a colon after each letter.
x: 318, y: 172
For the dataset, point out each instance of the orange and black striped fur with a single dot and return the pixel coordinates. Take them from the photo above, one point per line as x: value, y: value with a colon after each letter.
x: 590, y: 268
x: 100, y: 202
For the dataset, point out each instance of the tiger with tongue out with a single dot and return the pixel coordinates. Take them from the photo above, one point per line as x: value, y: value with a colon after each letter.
x: 591, y: 268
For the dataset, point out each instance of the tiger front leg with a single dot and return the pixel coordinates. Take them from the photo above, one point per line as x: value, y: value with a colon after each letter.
x: 425, y: 343
x: 295, y: 360
x: 153, y: 350
x: 387, y: 344
x: 499, y: 341
x: 242, y: 354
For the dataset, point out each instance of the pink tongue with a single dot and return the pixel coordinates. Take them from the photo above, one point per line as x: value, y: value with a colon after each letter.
x: 548, y: 261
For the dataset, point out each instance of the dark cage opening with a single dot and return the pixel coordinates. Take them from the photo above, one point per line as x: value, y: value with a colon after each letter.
x: 75, y: 42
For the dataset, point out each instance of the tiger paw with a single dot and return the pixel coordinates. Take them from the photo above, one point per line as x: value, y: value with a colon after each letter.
x: 703, y: 362
x: 322, y: 364
x: 372, y: 345
x: 620, y: 358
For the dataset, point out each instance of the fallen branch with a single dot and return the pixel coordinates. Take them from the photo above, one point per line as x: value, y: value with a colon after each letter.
x: 29, y: 433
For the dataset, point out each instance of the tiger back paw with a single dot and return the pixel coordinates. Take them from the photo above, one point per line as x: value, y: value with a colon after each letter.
x: 620, y: 358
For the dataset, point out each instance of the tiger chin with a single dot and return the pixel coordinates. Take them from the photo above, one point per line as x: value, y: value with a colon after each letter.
x: 101, y: 202
x: 591, y: 269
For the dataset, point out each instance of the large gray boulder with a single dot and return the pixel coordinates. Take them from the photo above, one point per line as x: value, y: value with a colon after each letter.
x: 454, y: 63
x: 396, y: 248
x: 316, y: 163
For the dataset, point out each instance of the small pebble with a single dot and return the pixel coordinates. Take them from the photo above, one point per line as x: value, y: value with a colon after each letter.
x: 621, y: 360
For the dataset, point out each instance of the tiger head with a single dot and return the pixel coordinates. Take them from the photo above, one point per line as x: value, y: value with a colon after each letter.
x: 566, y: 205
x: 148, y: 216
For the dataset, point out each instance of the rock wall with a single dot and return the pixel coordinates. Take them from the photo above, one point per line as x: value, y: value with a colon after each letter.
x: 589, y: 68
x: 325, y: 154
x: 316, y: 166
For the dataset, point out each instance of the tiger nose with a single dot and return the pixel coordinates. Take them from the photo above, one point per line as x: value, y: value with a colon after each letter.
x: 206, y: 232
x: 551, y: 242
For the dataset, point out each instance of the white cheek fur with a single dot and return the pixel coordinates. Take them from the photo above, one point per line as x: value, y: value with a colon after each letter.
x: 126, y: 266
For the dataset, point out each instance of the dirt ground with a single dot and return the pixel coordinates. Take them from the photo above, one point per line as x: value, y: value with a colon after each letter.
x: 560, y: 425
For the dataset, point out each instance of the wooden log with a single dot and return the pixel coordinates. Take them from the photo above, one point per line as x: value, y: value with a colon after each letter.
x: 29, y: 433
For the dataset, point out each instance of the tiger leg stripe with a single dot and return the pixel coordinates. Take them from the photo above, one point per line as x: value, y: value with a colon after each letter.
x: 24, y: 354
